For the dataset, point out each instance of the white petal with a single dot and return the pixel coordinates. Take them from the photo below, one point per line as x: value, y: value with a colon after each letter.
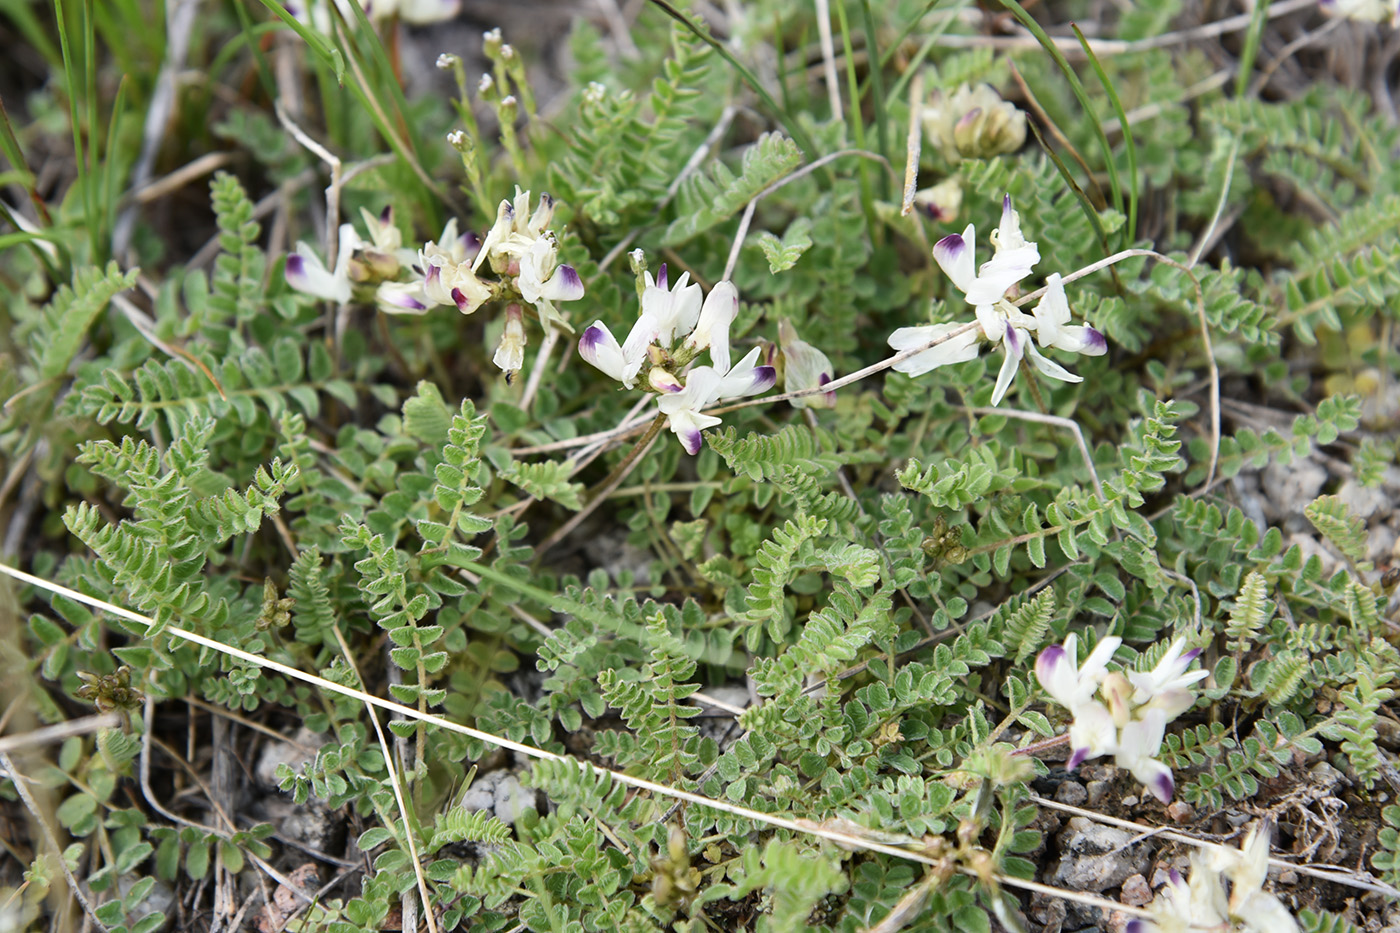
x: 1048, y: 366
x: 747, y: 378
x: 1014, y: 343
x: 955, y: 255
x: 599, y: 347
x: 712, y: 329
x: 958, y: 349
x: 564, y: 285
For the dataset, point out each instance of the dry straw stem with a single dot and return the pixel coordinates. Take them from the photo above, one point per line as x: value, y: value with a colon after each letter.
x: 384, y: 750
x: 1070, y: 46
x: 59, y: 732
x: 804, y: 827
x: 914, y: 143
x: 22, y: 786
x: 1333, y: 873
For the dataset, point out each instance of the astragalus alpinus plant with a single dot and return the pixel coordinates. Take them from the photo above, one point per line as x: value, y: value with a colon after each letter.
x: 1032, y: 582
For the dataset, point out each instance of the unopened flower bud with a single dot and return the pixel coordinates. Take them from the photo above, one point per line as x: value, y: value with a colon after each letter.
x: 941, y: 202
x: 510, y: 354
x: 594, y: 93
x: 447, y: 61
x: 974, y: 123
x: 486, y: 88
x: 804, y: 367
x: 491, y: 42
x: 663, y: 381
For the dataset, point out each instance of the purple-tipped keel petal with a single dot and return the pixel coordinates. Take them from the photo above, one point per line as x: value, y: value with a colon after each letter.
x: 570, y: 284
x: 1095, y: 343
x: 296, y: 269
x: 690, y: 440
x: 661, y: 276
x: 1076, y: 758
x: 764, y: 377
x: 1163, y: 786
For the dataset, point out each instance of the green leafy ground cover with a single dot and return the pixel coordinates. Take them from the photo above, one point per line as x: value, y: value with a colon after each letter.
x: 784, y: 683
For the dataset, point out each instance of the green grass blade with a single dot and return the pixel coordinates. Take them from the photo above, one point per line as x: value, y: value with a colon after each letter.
x: 1251, y: 46
x: 877, y: 81
x: 70, y: 78
x: 1130, y: 231
x: 867, y: 195
x: 1078, y: 87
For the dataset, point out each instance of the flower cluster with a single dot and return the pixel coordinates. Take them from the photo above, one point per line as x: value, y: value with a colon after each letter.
x: 1202, y: 902
x: 1000, y: 321
x: 317, y: 13
x: 974, y: 123
x: 1130, y: 720
x: 1366, y: 11
x: 674, y: 327
x: 519, y: 249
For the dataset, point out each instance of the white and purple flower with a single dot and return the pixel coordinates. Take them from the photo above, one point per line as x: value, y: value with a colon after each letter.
x: 707, y: 385
x: 307, y: 273
x: 1000, y: 321
x: 804, y: 367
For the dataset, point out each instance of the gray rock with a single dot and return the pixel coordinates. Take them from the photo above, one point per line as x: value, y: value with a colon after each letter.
x: 1072, y: 793
x: 311, y: 824
x: 1136, y: 893
x: 1288, y: 488
x: 1366, y: 502
x: 1246, y: 489
x: 1380, y: 546
x: 1096, y: 791
x: 296, y: 753
x: 501, y: 793
x: 1094, y: 857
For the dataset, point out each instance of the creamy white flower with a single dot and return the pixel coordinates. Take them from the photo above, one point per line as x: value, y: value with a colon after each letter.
x: 1138, y: 744
x: 706, y: 385
x: 804, y: 367
x: 1165, y: 686
x: 316, y: 13
x: 403, y: 298
x: 1052, y: 323
x: 1093, y: 733
x: 510, y: 353
x: 1071, y: 684
x: 1366, y: 11
x: 306, y: 273
x: 544, y: 280
x: 672, y: 311
x: 712, y: 329
x: 599, y: 347
x: 958, y: 349
x: 1000, y: 321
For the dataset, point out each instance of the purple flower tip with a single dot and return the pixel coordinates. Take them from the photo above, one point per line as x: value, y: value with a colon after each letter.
x: 661, y: 276
x: 571, y: 279
x: 690, y: 440
x: 1076, y: 758
x: 763, y: 378
x: 1097, y: 344
x: 588, y: 343
x: 1175, y: 876
x: 296, y: 266
x: 1006, y: 203
x: 545, y: 199
x: 1135, y: 926
x: 386, y: 216
x: 969, y: 118
x: 823, y: 379
x: 1013, y: 340
x: 1163, y: 787
x: 434, y: 273
x: 1190, y: 656
x: 461, y: 301
x: 952, y: 244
